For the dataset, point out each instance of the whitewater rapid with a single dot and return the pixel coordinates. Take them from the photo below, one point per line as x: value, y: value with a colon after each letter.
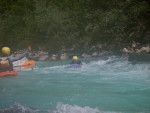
x: 102, y: 85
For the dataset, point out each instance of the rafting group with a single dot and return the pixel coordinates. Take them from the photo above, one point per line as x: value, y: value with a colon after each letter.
x: 10, y: 65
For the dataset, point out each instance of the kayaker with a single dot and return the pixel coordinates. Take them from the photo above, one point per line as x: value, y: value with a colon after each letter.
x: 6, y: 61
x: 75, y: 60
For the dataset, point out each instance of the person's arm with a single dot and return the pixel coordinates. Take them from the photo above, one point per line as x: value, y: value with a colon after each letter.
x: 12, y: 59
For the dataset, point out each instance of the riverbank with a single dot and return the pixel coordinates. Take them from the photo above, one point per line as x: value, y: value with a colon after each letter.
x: 132, y: 50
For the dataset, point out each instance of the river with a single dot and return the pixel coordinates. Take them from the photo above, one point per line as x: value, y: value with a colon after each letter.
x: 102, y: 85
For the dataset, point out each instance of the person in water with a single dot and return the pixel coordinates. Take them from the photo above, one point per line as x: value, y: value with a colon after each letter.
x: 6, y: 61
x: 75, y: 60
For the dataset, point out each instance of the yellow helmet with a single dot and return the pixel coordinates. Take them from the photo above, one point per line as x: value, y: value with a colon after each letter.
x: 6, y: 50
x: 75, y: 58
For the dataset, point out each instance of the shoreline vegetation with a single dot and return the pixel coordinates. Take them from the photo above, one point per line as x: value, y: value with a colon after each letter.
x: 59, y: 29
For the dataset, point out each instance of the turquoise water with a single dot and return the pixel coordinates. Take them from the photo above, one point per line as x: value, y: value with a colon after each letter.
x: 101, y: 85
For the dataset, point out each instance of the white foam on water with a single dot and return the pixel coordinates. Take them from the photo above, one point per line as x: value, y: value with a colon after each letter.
x: 113, y: 66
x: 66, y: 108
x: 60, y: 108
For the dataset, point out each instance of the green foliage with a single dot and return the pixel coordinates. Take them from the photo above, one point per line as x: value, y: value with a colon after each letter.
x: 54, y: 24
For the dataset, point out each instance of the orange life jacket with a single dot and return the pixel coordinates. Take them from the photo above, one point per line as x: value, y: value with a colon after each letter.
x: 5, y: 64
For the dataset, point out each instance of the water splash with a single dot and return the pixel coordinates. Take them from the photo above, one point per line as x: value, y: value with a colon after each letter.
x: 111, y: 65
